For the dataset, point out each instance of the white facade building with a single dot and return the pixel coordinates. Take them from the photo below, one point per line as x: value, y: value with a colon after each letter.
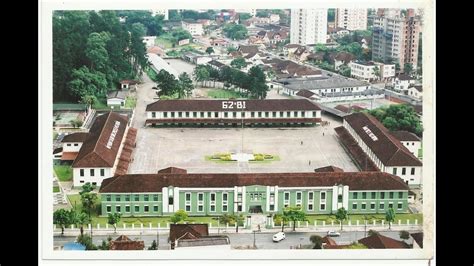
x: 368, y: 71
x: 402, y: 82
x: 351, y: 18
x: 308, y: 26
x: 195, y: 28
x: 149, y: 41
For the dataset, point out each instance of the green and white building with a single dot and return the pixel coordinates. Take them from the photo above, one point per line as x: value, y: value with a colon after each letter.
x: 172, y: 189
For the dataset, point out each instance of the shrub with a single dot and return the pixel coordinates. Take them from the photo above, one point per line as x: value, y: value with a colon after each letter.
x: 268, y: 156
x: 258, y: 157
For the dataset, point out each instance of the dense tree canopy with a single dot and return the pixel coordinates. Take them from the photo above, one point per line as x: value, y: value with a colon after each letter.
x: 399, y: 117
x: 92, y: 51
x: 153, y: 24
x: 238, y: 63
x: 235, y: 31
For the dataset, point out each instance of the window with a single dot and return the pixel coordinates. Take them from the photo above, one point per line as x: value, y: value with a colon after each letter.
x: 314, y: 114
x: 288, y: 114
x: 322, y: 207
x: 381, y: 206
x: 400, y: 195
x: 200, y: 196
x: 127, y: 208
x: 373, y: 195
x: 75, y: 144
x: 298, y: 196
x: 323, y: 195
x: 188, y: 208
x: 201, y: 114
x: 117, y: 198
x: 226, y: 114
x: 372, y: 206
x: 180, y: 114
x: 272, y: 207
x: 363, y: 206
x: 108, y: 198
x: 354, y: 206
x: 213, y: 208
x: 382, y: 195
x: 213, y: 196
x: 146, y: 197
x: 127, y: 197
x: 153, y: 114
x: 274, y: 114
x: 216, y: 114
x: 266, y: 114
x: 146, y: 208
x: 295, y: 114
x: 412, y: 171
x: 170, y: 200
x: 394, y: 171
x: 302, y: 113
x: 252, y: 114
x: 136, y: 198
x: 310, y: 195
x: 172, y: 114
x: 118, y: 209
x: 390, y: 205
x: 281, y: 114
x: 404, y: 171
x: 364, y: 195
x: 165, y: 114
x: 239, y: 208
x: 137, y: 208
x: 155, y: 208
x: 200, y: 202
x: 400, y: 206
x: 102, y: 172
x: 194, y: 114
x: 69, y: 144
x: 354, y: 195
x: 81, y: 172
x: 390, y: 195
x: 109, y: 208
x: 155, y: 197
x: 242, y: 114
x: 339, y: 198
x: 188, y: 196
x: 187, y: 114
x: 92, y: 172
x: 224, y: 196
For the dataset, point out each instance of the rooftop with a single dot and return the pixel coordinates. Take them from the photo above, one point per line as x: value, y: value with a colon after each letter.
x: 317, y: 83
x: 378, y: 241
x: 386, y: 147
x: 117, y: 94
x: 403, y: 135
x: 216, y: 105
x: 136, y: 183
x: 75, y: 137
x: 101, y: 146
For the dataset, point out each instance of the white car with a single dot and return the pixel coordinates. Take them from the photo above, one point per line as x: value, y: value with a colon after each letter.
x: 333, y: 233
x: 278, y: 237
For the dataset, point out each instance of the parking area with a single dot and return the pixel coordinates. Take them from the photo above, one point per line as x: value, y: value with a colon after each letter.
x: 299, y: 149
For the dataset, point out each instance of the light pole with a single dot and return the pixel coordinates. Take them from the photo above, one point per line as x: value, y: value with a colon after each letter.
x: 254, y: 244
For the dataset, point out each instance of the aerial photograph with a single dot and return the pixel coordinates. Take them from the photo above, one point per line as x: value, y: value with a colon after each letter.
x: 237, y: 129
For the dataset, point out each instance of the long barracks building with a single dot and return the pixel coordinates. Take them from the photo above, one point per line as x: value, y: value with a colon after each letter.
x: 274, y: 112
x: 172, y: 189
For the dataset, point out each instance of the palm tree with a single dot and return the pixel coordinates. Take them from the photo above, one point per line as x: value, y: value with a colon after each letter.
x: 88, y: 201
x: 341, y: 215
x: 390, y: 217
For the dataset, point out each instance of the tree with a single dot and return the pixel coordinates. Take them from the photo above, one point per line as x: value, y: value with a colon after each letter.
x: 113, y: 220
x: 89, y: 100
x: 88, y: 202
x: 86, y: 240
x: 263, y: 13
x: 179, y: 216
x: 226, y: 219
x: 210, y: 50
x: 238, y: 219
x: 244, y: 17
x: 75, y: 123
x: 137, y: 47
x: 376, y: 72
x: 96, y: 51
x: 372, y: 232
x: 86, y: 82
x: 231, y: 49
x: 105, y: 245
x: 79, y: 219
x: 181, y: 34
x: 390, y: 217
x: 174, y: 15
x: 238, y: 63
x: 201, y: 74
x: 281, y: 219
x: 185, y: 85
x: 399, y: 117
x: 294, y: 214
x: 153, y: 246
x: 317, y: 240
x: 341, y: 215
x: 404, y: 235
x: 345, y: 70
x: 166, y: 82
x: 86, y: 188
x: 408, y: 68
x: 235, y: 31
x: 258, y: 87
x: 61, y: 217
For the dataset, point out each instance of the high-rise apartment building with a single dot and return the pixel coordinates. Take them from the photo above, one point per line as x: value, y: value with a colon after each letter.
x: 351, y: 18
x: 308, y: 26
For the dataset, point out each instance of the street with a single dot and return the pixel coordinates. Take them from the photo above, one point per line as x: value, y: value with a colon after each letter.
x: 262, y: 240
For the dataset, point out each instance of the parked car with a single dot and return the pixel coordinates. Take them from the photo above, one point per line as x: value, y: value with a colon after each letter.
x: 333, y: 233
x: 278, y: 237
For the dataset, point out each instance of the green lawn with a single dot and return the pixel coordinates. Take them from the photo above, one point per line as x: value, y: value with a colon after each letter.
x: 130, y: 102
x: 76, y: 202
x: 164, y: 42
x: 64, y: 172
x: 226, y: 94
x: 55, y: 189
x: 100, y: 104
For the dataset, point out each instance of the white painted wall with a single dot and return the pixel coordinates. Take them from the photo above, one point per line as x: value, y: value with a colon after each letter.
x: 115, y: 101
x: 193, y: 28
x: 221, y: 114
x: 412, y: 179
x: 79, y: 180
x: 71, y: 146
x: 412, y: 146
x: 308, y: 26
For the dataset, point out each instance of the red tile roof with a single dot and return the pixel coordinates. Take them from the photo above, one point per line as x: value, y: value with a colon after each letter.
x: 403, y: 135
x: 95, y: 151
x: 346, y: 57
x: 305, y: 93
x: 125, y: 243
x: 134, y: 183
x: 329, y: 168
x: 75, y: 137
x: 69, y: 156
x: 187, y: 231
x: 378, y: 241
x: 250, y: 105
x: 173, y: 170
x: 418, y: 238
x: 386, y: 148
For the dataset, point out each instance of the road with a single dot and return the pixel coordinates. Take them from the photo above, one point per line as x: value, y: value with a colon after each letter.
x: 145, y: 95
x: 262, y: 240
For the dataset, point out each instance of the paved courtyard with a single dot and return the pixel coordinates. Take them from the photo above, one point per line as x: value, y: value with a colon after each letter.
x: 159, y: 148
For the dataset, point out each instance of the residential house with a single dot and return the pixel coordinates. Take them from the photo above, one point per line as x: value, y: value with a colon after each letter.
x: 128, y: 84
x: 402, y: 82
x: 411, y: 141
x: 193, y: 27
x: 378, y: 241
x: 343, y: 58
x: 116, y: 98
x: 149, y: 41
x: 415, y: 91
x: 196, y: 236
x: 125, y: 243
x: 372, y: 71
x: 71, y: 144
